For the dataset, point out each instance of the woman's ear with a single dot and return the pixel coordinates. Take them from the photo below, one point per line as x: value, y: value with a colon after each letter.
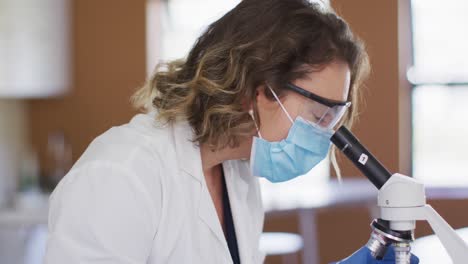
x: 263, y: 101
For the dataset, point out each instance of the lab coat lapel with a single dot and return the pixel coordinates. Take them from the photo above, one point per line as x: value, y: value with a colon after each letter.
x: 238, y: 187
x: 193, y: 167
x: 186, y: 148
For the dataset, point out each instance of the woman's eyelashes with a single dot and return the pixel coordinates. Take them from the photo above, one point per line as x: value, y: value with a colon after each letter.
x: 323, y: 119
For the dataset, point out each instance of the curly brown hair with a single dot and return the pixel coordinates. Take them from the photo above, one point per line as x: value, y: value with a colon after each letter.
x: 257, y: 42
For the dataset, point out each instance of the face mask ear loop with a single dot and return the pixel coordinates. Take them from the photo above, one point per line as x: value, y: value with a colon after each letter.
x: 255, y: 123
x: 282, y: 106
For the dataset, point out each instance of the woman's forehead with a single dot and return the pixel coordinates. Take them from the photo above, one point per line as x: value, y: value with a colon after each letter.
x: 331, y: 82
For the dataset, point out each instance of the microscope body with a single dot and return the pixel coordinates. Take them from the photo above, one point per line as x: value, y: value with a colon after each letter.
x: 402, y: 201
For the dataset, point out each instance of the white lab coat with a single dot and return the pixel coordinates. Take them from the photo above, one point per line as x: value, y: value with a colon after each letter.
x: 138, y: 195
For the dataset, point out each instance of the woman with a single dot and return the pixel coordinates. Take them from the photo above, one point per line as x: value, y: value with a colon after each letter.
x: 258, y: 95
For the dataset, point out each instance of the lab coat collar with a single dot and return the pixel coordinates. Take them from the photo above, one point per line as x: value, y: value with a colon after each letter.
x: 185, y: 147
x: 237, y: 186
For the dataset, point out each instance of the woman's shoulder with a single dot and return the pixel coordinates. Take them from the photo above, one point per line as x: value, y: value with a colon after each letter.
x: 126, y: 157
x: 114, y: 186
x: 133, y: 152
x: 142, y: 136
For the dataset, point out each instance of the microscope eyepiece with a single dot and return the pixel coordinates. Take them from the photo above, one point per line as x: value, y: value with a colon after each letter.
x: 346, y: 142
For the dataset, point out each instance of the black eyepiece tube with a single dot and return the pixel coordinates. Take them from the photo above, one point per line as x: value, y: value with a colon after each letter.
x: 360, y: 156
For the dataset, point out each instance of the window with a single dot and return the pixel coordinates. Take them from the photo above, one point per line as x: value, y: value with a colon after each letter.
x: 173, y: 26
x: 440, y: 94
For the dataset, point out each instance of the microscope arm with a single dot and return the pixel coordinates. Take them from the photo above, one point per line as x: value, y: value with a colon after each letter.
x: 402, y: 201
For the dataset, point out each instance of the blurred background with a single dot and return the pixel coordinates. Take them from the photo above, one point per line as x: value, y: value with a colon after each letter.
x: 68, y: 68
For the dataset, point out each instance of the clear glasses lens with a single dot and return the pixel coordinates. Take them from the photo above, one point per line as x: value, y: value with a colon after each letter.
x: 322, y: 115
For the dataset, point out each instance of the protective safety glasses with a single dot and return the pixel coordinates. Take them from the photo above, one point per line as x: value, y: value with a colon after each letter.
x: 318, y: 110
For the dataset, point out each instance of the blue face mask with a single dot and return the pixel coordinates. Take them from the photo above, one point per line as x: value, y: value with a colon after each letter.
x: 305, y: 146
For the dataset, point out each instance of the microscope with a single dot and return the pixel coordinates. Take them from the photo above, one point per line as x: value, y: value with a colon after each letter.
x: 401, y: 201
